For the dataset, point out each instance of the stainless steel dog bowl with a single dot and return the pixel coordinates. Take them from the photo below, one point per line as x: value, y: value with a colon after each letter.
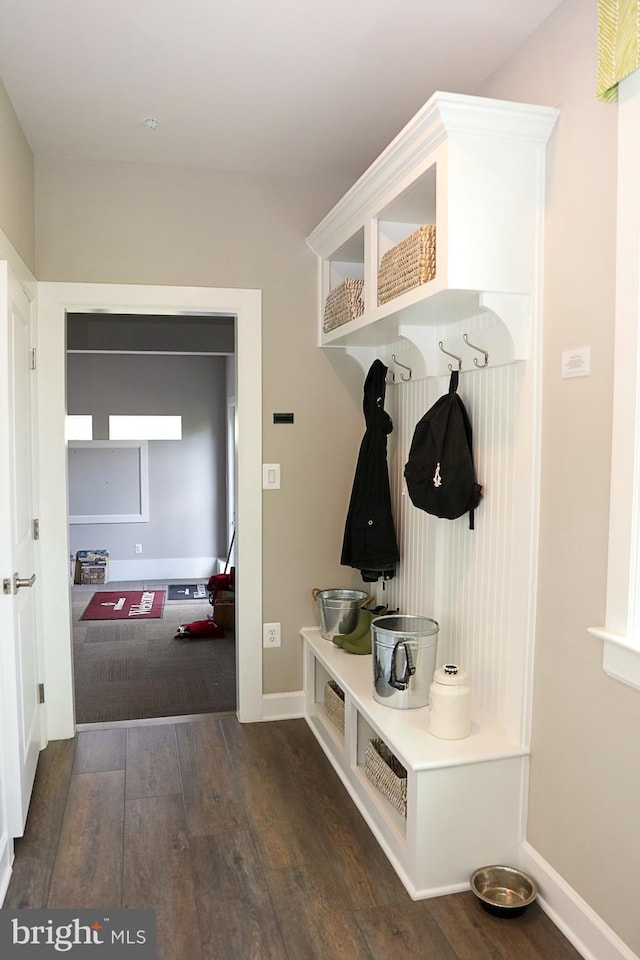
x: 503, y: 891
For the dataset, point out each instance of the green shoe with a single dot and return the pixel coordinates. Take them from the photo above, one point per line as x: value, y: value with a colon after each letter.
x: 363, y: 624
x: 362, y: 643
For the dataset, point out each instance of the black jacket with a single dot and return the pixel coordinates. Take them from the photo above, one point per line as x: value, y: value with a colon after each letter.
x: 369, y: 537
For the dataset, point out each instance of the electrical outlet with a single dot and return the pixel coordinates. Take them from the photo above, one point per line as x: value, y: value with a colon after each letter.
x: 270, y: 634
x: 138, y: 548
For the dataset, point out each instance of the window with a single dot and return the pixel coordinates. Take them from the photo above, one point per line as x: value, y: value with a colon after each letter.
x: 145, y: 428
x: 79, y: 427
x: 621, y: 633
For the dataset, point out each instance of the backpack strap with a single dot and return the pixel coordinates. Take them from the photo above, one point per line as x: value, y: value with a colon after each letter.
x: 453, y: 381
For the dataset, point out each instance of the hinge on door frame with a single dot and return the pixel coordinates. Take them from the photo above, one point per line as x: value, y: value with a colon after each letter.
x: 36, y: 529
x: 41, y: 692
x: 33, y: 358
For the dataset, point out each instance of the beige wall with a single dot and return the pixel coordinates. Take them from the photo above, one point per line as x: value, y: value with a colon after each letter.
x: 17, y: 202
x: 585, y: 776
x: 128, y: 223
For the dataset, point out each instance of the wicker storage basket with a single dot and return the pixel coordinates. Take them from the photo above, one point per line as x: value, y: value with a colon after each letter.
x: 407, y: 265
x: 386, y: 773
x: 334, y: 704
x: 343, y: 303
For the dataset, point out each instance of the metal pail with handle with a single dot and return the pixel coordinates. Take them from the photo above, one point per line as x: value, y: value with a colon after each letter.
x: 404, y: 660
x: 338, y: 610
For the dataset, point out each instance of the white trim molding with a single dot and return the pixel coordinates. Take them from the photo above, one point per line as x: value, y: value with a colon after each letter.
x: 580, y: 924
x: 171, y: 569
x: 54, y: 300
x: 621, y: 631
x: 283, y: 706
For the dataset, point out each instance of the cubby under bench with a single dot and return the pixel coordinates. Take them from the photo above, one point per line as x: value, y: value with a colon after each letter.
x: 465, y: 799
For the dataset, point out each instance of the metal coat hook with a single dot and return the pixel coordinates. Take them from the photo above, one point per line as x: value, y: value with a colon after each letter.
x: 479, y: 349
x: 404, y: 367
x: 459, y: 359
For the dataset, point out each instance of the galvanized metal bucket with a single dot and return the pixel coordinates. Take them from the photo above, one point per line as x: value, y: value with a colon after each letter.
x: 338, y: 610
x: 404, y: 660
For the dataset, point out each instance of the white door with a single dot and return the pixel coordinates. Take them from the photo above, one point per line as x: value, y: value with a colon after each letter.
x: 21, y: 722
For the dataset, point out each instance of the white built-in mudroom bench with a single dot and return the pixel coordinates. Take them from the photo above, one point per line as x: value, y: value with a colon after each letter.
x: 467, y: 175
x: 464, y: 797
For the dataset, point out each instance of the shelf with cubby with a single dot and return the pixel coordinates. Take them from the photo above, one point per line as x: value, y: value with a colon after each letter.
x: 464, y: 798
x: 473, y: 168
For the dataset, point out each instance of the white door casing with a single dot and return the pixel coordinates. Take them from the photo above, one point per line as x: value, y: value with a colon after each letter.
x: 54, y: 301
x: 231, y: 478
x: 21, y: 711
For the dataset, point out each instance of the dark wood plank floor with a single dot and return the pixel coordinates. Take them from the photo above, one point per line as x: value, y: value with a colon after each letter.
x: 246, y: 844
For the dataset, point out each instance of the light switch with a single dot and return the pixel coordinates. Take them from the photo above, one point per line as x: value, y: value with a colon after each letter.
x: 270, y: 476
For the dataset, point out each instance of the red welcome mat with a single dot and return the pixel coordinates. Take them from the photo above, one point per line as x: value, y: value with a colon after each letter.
x: 125, y: 605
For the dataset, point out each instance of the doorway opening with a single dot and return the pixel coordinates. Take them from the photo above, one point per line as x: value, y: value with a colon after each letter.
x: 55, y: 302
x: 151, y: 477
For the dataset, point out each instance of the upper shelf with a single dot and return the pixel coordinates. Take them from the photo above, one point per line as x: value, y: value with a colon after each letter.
x: 474, y: 168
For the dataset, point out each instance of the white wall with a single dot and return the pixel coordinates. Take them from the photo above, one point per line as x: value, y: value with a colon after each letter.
x: 187, y: 486
x: 585, y: 779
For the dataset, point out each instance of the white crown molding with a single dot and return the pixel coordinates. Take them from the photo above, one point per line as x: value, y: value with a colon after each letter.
x: 444, y: 115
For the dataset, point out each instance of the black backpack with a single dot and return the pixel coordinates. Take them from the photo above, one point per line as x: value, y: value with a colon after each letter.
x: 440, y: 475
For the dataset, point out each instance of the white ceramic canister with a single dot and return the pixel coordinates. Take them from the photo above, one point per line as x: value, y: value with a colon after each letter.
x: 450, y: 703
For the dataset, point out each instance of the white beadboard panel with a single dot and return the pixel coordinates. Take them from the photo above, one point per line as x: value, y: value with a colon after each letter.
x: 476, y: 583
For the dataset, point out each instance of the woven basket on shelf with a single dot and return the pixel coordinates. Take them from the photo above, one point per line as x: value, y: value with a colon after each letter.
x: 409, y: 264
x: 386, y: 773
x: 334, y: 704
x: 343, y: 303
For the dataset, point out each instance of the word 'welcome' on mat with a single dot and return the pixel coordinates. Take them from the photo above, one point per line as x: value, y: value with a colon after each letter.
x: 125, y: 605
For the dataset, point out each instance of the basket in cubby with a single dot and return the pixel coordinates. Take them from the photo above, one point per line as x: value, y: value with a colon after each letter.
x: 343, y: 303
x: 409, y: 264
x: 334, y: 704
x: 386, y: 773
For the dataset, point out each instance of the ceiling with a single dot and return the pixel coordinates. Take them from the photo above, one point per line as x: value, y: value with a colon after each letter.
x: 296, y: 87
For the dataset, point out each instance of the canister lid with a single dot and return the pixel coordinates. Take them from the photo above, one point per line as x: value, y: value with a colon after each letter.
x: 450, y: 674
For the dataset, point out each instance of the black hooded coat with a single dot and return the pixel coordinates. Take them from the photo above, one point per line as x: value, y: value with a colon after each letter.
x: 370, y: 543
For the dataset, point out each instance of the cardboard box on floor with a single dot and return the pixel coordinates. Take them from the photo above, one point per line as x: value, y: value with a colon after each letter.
x: 92, y: 566
x: 224, y: 609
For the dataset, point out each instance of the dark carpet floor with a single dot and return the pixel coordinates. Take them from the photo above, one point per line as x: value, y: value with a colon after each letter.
x: 132, y: 671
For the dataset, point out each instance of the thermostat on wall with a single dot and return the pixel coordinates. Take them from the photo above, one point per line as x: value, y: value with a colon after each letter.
x: 576, y: 363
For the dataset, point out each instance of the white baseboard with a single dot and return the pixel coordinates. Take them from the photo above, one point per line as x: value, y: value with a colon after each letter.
x: 283, y: 706
x: 177, y: 568
x: 6, y: 861
x: 581, y: 925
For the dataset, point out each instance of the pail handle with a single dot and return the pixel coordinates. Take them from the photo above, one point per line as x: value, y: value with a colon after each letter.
x: 316, y: 590
x: 401, y: 683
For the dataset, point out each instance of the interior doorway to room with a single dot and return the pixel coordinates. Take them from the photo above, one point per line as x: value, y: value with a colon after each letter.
x: 160, y: 504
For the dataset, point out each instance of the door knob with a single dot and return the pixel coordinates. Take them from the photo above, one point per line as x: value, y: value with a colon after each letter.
x: 23, y: 581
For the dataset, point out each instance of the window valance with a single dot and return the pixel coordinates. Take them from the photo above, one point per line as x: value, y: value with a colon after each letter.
x: 618, y: 44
